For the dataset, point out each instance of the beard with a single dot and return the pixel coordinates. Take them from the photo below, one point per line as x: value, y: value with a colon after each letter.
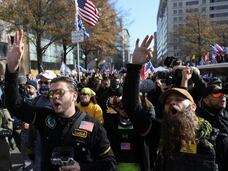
x: 179, y: 129
x: 85, y: 103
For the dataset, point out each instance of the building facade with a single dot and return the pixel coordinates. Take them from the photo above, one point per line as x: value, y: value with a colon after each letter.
x: 172, y: 13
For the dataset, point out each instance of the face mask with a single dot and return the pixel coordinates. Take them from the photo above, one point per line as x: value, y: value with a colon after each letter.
x: 44, y: 90
x: 28, y: 98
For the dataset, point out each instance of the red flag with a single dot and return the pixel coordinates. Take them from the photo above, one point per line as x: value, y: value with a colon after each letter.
x: 143, y: 72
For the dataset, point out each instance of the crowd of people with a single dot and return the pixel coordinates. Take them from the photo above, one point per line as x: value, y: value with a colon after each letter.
x: 174, y: 120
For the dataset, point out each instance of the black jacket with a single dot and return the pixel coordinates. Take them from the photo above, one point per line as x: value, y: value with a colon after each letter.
x: 146, y: 126
x: 91, y: 148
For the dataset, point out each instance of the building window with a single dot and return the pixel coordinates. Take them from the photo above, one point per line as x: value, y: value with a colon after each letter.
x: 175, y: 19
x: 174, y: 4
x: 180, y: 4
x: 180, y: 11
x: 219, y: 7
x: 180, y: 18
x: 192, y: 3
x: 218, y: 0
x: 204, y: 9
x: 174, y: 11
x: 204, y: 1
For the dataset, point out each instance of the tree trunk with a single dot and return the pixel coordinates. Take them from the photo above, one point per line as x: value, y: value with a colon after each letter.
x: 39, y: 53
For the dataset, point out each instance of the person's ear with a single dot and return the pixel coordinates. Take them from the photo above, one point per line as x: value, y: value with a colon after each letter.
x: 194, y: 106
x: 206, y: 101
x: 75, y: 96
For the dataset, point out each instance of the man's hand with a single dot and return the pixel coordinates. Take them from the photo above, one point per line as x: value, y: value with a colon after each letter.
x: 74, y: 167
x: 143, y: 53
x: 15, y: 51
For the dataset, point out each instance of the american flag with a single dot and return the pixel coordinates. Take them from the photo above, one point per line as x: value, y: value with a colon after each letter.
x: 146, y: 69
x: 88, y: 11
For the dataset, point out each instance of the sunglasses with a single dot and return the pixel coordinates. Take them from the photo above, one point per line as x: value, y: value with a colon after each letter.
x: 59, y: 92
x: 217, y: 95
x: 44, y: 82
x: 84, y: 94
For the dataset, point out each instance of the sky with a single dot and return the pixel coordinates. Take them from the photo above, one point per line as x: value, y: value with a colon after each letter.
x: 139, y: 17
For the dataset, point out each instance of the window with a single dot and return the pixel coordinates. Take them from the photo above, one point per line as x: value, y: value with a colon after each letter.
x: 180, y: 4
x: 175, y: 19
x: 180, y: 11
x: 175, y: 4
x: 204, y: 9
x: 204, y: 1
x: 192, y: 3
x: 219, y: 7
x: 174, y: 11
x: 180, y: 18
x: 218, y: 0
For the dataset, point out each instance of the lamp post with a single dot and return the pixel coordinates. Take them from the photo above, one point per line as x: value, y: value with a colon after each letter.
x: 96, y: 60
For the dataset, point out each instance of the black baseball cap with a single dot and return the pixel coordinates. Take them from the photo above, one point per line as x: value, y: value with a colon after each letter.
x: 212, y: 89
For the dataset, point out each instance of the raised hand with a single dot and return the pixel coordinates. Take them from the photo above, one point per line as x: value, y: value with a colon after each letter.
x: 15, y: 51
x: 142, y: 53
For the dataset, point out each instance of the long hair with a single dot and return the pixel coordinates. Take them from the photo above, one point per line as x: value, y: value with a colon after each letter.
x: 179, y: 130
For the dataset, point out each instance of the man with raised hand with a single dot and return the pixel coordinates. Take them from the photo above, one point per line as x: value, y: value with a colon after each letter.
x: 70, y: 139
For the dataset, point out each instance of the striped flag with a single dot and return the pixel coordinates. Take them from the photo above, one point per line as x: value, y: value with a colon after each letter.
x: 88, y: 12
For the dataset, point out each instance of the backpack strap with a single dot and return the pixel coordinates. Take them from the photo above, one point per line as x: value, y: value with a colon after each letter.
x: 66, y: 134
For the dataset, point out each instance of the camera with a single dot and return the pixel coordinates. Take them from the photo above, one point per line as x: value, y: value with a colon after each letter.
x: 62, y: 156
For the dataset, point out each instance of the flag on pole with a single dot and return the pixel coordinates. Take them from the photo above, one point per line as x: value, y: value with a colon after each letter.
x: 88, y: 12
x: 82, y: 27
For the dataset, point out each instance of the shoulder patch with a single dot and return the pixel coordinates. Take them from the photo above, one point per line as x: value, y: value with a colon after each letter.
x: 86, y: 125
x: 50, y: 121
x: 79, y: 133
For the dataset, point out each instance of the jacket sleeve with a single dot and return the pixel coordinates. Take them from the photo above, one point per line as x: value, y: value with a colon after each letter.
x: 104, y: 159
x: 15, y: 103
x: 139, y: 117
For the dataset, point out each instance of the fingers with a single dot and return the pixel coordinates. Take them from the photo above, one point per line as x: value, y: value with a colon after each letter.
x: 147, y: 41
x: 137, y: 44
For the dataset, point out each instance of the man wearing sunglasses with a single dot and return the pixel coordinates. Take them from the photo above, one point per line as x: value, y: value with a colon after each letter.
x: 214, y: 110
x: 61, y: 128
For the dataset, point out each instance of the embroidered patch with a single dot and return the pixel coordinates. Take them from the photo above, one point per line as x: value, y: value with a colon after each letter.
x: 88, y: 126
x: 50, y: 121
x: 125, y: 146
x: 79, y: 133
x: 190, y: 148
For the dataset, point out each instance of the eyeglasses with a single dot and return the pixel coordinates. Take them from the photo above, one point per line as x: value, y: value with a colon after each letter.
x: 217, y: 95
x: 44, y: 82
x: 59, y: 92
x: 84, y: 94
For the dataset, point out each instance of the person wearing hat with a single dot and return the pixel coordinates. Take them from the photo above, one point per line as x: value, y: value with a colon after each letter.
x: 70, y: 139
x: 214, y: 103
x: 88, y: 104
x: 44, y: 81
x: 180, y: 136
x: 30, y: 90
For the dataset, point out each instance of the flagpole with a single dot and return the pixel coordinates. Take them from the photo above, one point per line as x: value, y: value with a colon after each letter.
x: 76, y: 26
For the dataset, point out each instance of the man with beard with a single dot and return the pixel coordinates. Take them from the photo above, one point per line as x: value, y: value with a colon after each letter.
x: 88, y: 104
x: 183, y: 143
x: 71, y: 140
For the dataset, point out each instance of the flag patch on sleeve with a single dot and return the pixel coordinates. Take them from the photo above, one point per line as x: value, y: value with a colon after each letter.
x: 88, y: 126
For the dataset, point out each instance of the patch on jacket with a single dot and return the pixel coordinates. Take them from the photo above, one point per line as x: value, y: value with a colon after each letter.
x: 86, y: 125
x: 79, y: 133
x: 50, y: 121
